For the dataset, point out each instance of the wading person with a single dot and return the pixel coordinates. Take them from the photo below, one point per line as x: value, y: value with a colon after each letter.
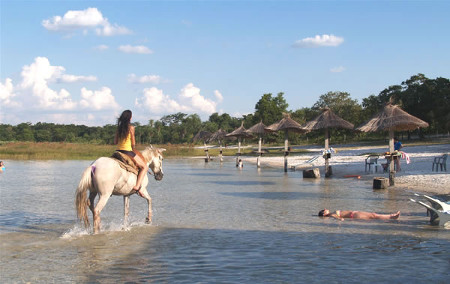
x: 126, y: 142
x: 341, y: 214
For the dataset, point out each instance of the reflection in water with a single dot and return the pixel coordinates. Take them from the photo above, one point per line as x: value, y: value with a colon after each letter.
x: 214, y: 223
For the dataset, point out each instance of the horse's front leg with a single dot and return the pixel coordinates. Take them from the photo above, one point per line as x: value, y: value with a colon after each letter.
x: 126, y: 210
x: 148, y: 220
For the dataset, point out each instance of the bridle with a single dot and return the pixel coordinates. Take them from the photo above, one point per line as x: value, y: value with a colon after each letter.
x: 149, y: 170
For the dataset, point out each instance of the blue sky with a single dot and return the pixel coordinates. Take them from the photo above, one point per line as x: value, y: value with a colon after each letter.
x: 84, y: 62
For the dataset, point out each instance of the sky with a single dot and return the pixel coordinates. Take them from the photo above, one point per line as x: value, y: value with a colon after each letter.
x: 84, y: 62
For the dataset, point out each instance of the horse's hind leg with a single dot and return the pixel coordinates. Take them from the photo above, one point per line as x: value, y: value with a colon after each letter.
x: 91, y: 202
x: 98, y: 208
x: 92, y: 196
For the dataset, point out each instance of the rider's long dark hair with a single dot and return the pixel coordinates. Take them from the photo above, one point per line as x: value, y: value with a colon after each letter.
x: 123, y: 124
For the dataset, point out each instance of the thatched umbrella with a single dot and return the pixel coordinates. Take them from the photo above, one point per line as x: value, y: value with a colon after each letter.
x: 219, y: 135
x: 327, y: 119
x: 203, y: 136
x: 287, y: 124
x: 259, y: 129
x: 392, y: 118
x: 239, y: 133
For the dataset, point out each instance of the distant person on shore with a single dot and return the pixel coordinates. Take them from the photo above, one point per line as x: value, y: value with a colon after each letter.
x: 126, y: 144
x: 341, y: 214
x: 397, y: 144
x: 2, y: 166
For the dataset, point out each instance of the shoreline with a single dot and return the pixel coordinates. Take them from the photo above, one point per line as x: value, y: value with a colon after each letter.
x: 415, y: 176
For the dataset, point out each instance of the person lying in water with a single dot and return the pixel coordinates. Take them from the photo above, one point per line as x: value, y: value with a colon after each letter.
x: 341, y: 214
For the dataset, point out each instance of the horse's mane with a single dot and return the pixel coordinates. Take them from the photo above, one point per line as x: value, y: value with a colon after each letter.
x: 149, y: 152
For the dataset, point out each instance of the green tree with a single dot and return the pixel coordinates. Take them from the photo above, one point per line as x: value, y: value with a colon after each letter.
x: 341, y: 104
x: 7, y: 132
x: 24, y: 132
x: 270, y: 109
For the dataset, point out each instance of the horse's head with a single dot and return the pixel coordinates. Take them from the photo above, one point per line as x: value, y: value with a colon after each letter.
x: 154, y: 159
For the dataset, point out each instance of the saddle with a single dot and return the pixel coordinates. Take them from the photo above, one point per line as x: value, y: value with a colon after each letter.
x: 125, y: 162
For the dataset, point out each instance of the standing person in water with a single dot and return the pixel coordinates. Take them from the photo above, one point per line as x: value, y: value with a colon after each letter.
x: 126, y: 142
x: 341, y: 214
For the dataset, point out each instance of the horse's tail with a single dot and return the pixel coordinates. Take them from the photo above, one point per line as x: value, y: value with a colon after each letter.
x: 81, y: 201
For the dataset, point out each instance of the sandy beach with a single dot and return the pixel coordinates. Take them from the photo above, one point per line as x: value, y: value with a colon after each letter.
x: 416, y: 176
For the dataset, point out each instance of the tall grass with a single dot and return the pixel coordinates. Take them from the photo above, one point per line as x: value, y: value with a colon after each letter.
x: 53, y: 151
x: 75, y: 151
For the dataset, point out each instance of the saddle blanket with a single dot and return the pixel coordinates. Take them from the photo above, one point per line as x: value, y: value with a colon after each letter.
x: 125, y: 162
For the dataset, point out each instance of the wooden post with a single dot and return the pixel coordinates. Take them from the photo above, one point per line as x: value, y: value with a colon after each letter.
x: 286, y: 146
x: 258, y: 163
x: 391, y: 164
x: 239, y: 146
x: 206, y: 153
x: 327, y: 163
x: 239, y: 152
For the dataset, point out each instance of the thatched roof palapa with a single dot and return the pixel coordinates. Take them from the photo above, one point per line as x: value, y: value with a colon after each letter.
x: 202, y: 135
x: 287, y: 123
x: 394, y: 118
x: 239, y: 132
x: 327, y: 119
x: 258, y: 128
x: 218, y: 135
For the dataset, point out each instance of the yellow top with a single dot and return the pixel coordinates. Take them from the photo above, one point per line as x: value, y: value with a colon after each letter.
x: 125, y: 144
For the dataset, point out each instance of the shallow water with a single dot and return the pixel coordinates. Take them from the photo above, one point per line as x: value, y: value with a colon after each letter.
x: 214, y: 223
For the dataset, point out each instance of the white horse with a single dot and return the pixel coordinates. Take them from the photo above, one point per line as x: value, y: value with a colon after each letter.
x: 105, y: 177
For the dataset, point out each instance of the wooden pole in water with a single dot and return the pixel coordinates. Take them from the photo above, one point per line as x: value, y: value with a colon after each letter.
x: 258, y: 163
x: 239, y: 151
x: 206, y: 153
x: 391, y: 163
x: 327, y: 163
x: 286, y: 147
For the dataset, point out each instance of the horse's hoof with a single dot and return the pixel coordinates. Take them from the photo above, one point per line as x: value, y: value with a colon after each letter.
x: 148, y: 221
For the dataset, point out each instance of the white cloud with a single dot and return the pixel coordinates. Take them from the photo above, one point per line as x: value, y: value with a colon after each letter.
x: 101, y: 47
x: 190, y: 100
x: 140, y: 49
x: 7, y: 93
x: 219, y: 96
x: 98, y: 100
x: 91, y: 18
x: 319, y: 41
x: 40, y: 102
x: 153, y: 79
x: 337, y: 69
x: 73, y: 78
x: 191, y: 95
x: 154, y: 100
x: 36, y: 77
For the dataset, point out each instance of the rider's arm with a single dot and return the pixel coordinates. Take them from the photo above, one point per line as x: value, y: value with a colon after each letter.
x: 133, y: 140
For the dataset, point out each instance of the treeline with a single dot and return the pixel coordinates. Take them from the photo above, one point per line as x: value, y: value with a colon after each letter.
x: 427, y: 99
